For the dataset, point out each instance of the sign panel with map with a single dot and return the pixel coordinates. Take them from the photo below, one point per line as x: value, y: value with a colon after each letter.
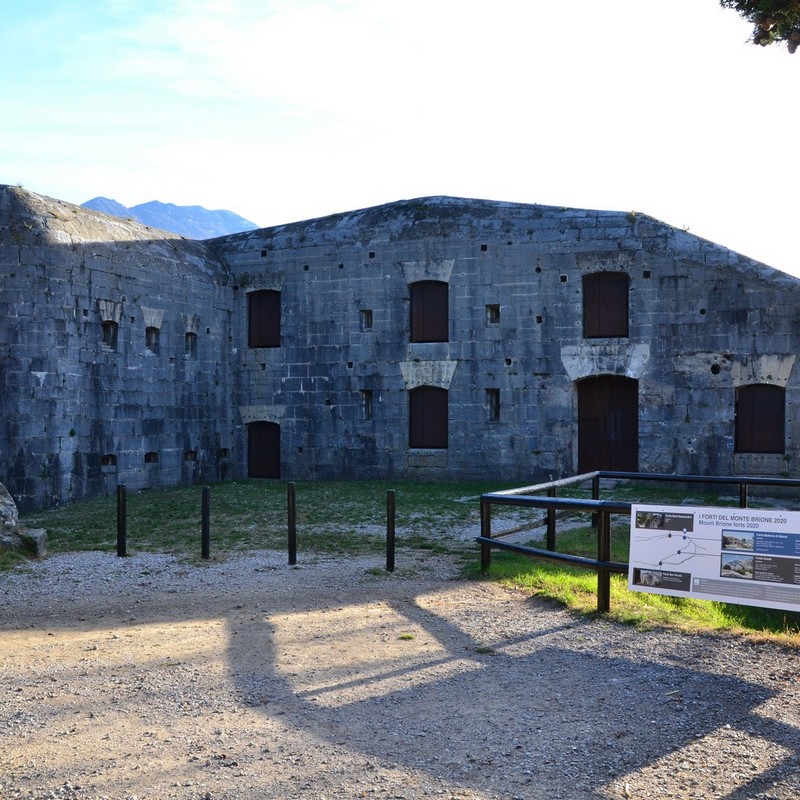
x: 732, y: 555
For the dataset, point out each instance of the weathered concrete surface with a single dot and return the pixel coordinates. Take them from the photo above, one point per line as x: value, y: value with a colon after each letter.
x: 125, y: 357
x: 78, y: 415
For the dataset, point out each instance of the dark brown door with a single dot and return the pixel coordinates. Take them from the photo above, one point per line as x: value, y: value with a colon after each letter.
x: 263, y: 450
x: 608, y: 424
x: 427, y: 417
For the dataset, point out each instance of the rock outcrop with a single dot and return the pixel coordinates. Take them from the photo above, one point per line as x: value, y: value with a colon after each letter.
x: 12, y: 536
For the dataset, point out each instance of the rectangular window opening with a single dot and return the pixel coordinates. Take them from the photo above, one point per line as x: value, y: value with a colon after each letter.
x: 605, y: 305
x: 492, y: 314
x: 110, y: 334
x: 366, y: 404
x: 366, y: 319
x: 264, y: 318
x: 493, y: 405
x: 190, y: 346
x: 151, y: 458
x: 151, y: 340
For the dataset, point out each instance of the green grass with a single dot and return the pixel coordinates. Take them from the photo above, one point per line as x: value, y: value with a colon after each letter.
x: 350, y: 517
x: 332, y: 516
x: 577, y: 589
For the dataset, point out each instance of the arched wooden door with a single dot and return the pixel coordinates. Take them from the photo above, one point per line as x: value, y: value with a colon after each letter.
x: 608, y: 424
x: 263, y: 450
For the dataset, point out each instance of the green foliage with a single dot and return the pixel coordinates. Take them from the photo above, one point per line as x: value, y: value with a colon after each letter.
x: 773, y: 20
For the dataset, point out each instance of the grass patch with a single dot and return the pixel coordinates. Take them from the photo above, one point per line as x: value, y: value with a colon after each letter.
x: 577, y: 590
x: 11, y: 558
x: 332, y: 517
x: 349, y: 517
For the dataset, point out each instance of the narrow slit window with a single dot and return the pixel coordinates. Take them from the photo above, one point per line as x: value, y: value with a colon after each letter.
x: 493, y: 405
x: 366, y: 404
x: 366, y: 319
x: 190, y: 345
x: 492, y: 314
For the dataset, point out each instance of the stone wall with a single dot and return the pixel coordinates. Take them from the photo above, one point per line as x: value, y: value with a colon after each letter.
x: 85, y: 402
x: 702, y: 319
x: 125, y: 355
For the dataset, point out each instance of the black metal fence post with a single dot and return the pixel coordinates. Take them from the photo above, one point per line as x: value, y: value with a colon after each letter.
x: 291, y: 509
x: 390, y: 517
x: 743, y: 487
x: 595, y: 496
x: 603, y: 554
x: 122, y: 521
x: 205, y: 537
x: 550, y: 542
x: 486, y: 532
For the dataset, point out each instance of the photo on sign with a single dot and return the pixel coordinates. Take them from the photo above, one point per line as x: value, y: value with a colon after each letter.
x: 736, y: 566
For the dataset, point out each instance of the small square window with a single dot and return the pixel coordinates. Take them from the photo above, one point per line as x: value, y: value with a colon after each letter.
x: 366, y: 319
x: 492, y: 314
x: 108, y: 460
x: 190, y: 455
x: 151, y: 458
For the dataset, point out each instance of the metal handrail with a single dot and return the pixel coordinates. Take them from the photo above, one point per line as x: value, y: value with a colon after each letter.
x: 601, y: 510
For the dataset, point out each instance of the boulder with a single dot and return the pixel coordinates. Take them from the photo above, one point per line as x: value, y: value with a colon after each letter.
x: 12, y: 537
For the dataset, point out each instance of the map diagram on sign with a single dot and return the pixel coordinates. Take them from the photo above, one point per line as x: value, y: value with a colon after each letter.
x: 745, y: 556
x: 671, y: 539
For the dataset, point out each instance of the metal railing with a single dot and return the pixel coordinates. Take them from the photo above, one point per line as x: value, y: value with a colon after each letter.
x: 544, y: 495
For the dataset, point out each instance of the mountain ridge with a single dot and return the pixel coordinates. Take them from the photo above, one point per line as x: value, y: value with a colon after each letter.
x: 193, y: 222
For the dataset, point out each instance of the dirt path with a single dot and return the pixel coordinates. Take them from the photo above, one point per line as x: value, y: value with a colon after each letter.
x: 150, y: 678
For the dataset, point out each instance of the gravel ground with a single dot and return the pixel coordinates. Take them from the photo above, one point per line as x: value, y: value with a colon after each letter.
x: 243, y: 678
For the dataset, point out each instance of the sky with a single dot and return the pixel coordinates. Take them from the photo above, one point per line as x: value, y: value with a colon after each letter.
x: 285, y: 110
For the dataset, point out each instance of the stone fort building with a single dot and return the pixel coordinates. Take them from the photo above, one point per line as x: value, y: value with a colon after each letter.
x: 438, y: 338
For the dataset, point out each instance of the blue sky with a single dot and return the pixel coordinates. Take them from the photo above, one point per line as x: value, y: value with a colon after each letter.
x: 286, y: 110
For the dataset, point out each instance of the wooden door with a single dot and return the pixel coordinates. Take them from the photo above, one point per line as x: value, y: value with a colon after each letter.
x: 608, y: 424
x: 263, y: 450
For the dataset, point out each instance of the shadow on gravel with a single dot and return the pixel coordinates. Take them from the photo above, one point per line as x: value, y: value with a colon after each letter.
x: 469, y: 691
x: 522, y: 713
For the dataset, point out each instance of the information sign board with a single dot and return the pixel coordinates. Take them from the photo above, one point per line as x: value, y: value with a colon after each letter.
x: 733, y: 555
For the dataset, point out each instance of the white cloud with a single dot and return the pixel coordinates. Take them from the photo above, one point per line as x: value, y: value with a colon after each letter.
x: 285, y: 110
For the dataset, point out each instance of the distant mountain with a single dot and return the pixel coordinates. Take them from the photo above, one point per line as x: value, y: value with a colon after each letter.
x: 194, y: 222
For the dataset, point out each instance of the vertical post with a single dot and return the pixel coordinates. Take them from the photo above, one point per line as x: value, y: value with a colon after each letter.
x: 595, y: 496
x: 486, y: 532
x: 205, y: 536
x: 390, y: 516
x: 291, y: 508
x: 603, y: 554
x: 122, y: 523
x: 743, y: 487
x: 551, y: 522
